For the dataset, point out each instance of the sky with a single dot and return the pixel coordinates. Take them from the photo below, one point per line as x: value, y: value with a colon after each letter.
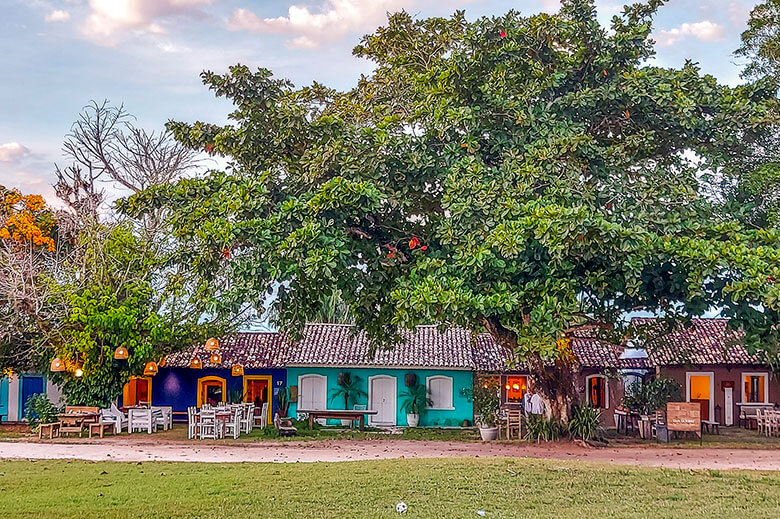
x: 57, y: 55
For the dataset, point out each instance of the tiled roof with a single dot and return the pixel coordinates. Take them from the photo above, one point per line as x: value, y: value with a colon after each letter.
x: 253, y: 350
x: 705, y: 341
x: 426, y: 347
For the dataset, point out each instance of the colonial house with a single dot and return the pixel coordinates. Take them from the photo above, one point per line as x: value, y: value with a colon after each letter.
x: 15, y: 389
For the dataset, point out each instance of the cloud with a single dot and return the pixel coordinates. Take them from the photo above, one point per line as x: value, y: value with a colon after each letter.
x: 12, y: 151
x: 308, y: 29
x: 110, y: 18
x: 58, y: 15
x: 704, y: 31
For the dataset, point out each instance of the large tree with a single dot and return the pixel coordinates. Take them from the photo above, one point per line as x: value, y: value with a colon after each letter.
x: 528, y: 176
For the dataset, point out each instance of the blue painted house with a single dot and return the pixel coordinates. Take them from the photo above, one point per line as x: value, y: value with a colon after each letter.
x: 440, y: 360
x: 17, y: 388
x: 190, y: 378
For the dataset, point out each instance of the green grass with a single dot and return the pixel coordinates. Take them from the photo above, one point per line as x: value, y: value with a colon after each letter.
x: 445, y: 488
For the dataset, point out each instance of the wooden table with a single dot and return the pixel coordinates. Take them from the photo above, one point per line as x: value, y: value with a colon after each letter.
x: 75, y: 422
x: 339, y: 414
x: 101, y: 428
x: 52, y: 428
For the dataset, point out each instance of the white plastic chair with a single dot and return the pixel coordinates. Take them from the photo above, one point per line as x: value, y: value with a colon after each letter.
x: 192, y: 422
x: 248, y: 418
x: 207, y: 425
x: 233, y: 426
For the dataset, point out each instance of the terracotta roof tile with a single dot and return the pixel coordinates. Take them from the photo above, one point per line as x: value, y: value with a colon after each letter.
x: 253, y: 350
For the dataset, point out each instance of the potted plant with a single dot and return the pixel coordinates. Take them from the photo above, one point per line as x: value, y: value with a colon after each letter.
x: 486, y: 397
x: 348, y: 388
x: 282, y: 402
x: 645, y: 399
x: 416, y: 401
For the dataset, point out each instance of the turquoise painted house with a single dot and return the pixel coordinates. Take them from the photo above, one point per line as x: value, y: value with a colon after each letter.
x: 440, y: 360
x: 16, y: 389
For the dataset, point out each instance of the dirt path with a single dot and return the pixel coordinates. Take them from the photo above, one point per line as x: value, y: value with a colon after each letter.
x: 353, y: 450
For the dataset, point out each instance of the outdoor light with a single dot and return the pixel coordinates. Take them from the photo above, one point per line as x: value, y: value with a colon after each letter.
x: 215, y: 358
x: 516, y: 387
x: 212, y: 344
x: 57, y: 365
x: 150, y: 369
x: 506, y: 387
x: 195, y: 363
x: 121, y: 353
x: 79, y: 372
x: 238, y: 370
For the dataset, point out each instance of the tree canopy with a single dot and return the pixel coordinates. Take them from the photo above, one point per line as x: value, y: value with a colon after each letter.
x: 527, y: 176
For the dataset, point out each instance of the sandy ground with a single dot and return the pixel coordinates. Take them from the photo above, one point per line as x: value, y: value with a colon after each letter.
x: 142, y: 449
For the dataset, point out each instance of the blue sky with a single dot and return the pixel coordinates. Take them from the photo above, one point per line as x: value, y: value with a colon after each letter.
x: 56, y: 55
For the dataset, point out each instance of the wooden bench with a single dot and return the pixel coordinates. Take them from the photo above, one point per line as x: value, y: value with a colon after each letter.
x: 101, y: 428
x: 53, y: 429
x: 710, y: 426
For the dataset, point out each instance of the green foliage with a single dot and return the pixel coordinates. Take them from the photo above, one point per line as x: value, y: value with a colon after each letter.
x: 349, y: 388
x: 539, y: 428
x: 416, y: 400
x: 39, y: 409
x: 584, y: 422
x: 486, y: 397
x: 524, y: 174
x: 283, y: 401
x: 761, y: 41
x: 651, y: 396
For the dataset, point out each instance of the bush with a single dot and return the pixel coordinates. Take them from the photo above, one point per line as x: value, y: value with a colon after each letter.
x: 585, y: 422
x: 652, y: 396
x: 486, y: 396
x: 541, y: 429
x: 40, y: 410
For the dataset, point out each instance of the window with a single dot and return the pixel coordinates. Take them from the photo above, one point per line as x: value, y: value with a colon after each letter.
x: 597, y: 394
x: 312, y: 392
x: 632, y: 382
x: 755, y: 388
x: 211, y: 390
x: 138, y: 390
x: 440, y: 392
x: 515, y: 388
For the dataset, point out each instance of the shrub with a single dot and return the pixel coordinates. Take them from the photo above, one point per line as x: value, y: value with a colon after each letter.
x: 541, y: 429
x: 486, y: 396
x: 40, y: 410
x: 653, y: 395
x: 416, y: 400
x: 585, y: 422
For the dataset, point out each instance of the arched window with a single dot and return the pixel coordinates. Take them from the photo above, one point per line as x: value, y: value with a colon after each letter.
x: 211, y: 390
x: 596, y: 391
x: 312, y: 392
x: 138, y: 390
x: 440, y: 392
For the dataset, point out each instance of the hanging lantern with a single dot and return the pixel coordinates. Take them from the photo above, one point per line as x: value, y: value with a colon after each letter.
x: 516, y: 387
x: 121, y: 353
x: 238, y: 370
x: 79, y: 372
x: 195, y: 363
x: 57, y: 365
x: 150, y: 369
x: 215, y: 358
x: 212, y: 344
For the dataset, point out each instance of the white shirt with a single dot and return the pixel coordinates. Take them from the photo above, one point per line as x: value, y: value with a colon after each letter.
x: 536, y: 404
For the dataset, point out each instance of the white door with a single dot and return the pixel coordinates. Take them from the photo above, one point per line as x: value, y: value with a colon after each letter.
x: 382, y: 399
x: 729, y: 405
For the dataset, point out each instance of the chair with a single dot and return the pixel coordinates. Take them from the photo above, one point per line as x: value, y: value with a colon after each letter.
x: 192, y: 422
x: 248, y: 418
x: 761, y: 421
x: 284, y: 426
x: 165, y: 419
x: 207, y: 424
x: 115, y: 416
x: 233, y: 426
x: 513, y: 422
x: 262, y: 418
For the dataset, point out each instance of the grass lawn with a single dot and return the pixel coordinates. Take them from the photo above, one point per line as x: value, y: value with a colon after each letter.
x: 445, y: 488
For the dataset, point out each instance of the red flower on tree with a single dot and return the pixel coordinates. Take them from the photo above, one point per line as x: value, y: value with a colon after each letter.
x: 414, y: 243
x: 424, y: 248
x: 503, y: 34
x: 210, y: 148
x: 226, y: 253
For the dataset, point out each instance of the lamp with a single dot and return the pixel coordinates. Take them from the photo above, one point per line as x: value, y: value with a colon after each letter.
x: 516, y: 387
x: 215, y: 358
x: 195, y: 363
x: 238, y: 370
x: 121, y: 353
x: 57, y: 365
x: 212, y: 344
x: 79, y: 372
x: 150, y: 369
x: 505, y: 387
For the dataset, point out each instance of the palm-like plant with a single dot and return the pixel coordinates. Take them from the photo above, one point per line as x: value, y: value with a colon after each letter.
x: 349, y: 389
x: 416, y: 400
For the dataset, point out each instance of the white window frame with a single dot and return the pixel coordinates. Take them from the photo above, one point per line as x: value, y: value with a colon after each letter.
x: 434, y: 407
x: 766, y: 386
x: 711, y: 375
x: 606, y: 389
x: 317, y: 376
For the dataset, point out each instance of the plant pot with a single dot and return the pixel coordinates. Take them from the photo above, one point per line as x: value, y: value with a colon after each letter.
x: 412, y: 420
x: 645, y: 430
x: 488, y: 433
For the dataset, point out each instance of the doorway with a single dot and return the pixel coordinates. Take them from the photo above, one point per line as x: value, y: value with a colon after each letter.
x: 382, y: 398
x: 211, y: 390
x: 137, y: 391
x: 700, y: 387
x: 257, y: 390
x: 30, y: 385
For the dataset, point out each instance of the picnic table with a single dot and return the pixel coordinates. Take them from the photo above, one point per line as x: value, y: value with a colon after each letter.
x: 75, y: 421
x: 339, y: 414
